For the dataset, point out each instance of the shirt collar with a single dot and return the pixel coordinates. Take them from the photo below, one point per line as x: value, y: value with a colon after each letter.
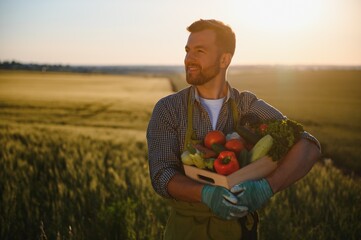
x: 195, y: 96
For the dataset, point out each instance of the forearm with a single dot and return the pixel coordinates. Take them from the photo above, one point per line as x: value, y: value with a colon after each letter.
x: 185, y: 189
x: 296, y: 164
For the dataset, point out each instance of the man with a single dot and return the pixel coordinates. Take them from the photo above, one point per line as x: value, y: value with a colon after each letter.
x: 202, y: 211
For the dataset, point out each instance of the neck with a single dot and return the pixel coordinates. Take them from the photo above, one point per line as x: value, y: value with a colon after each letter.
x: 213, y: 89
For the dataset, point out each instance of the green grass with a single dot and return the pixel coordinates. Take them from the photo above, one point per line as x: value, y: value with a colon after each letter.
x: 77, y: 186
x: 73, y: 165
x: 82, y: 187
x: 323, y: 205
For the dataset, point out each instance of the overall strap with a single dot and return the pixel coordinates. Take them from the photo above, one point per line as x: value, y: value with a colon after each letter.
x: 189, y: 132
x: 235, y: 115
x: 248, y: 135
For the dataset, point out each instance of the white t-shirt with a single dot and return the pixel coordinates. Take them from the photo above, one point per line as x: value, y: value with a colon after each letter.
x: 213, y: 107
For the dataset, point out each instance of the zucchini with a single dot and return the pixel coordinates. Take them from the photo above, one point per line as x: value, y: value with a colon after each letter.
x: 261, y: 148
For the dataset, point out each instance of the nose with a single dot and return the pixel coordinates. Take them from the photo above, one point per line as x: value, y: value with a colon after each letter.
x: 189, y: 58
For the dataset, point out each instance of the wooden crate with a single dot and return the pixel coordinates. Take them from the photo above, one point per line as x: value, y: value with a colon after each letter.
x: 253, y: 171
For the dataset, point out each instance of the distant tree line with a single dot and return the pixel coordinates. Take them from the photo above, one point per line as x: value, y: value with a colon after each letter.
x: 13, y: 65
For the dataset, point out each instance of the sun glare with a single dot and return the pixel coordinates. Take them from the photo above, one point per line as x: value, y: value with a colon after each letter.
x: 281, y: 15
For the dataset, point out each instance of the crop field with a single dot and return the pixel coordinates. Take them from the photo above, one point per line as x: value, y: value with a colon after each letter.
x: 82, y: 102
x: 73, y: 155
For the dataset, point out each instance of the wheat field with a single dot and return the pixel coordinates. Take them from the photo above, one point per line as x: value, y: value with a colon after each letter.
x: 73, y: 165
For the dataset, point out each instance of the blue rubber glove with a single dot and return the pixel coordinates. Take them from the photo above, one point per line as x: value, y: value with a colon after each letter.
x: 222, y: 202
x: 253, y: 194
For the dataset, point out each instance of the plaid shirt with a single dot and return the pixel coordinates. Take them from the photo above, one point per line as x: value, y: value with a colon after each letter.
x: 168, y: 125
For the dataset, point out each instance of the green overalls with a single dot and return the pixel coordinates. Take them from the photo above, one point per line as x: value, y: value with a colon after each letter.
x: 195, y: 221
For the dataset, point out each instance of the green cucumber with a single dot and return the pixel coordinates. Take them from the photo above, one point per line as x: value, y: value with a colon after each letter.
x: 243, y: 158
x: 248, y: 135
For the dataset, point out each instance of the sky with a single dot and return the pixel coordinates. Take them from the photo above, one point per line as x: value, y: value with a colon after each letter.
x: 153, y: 32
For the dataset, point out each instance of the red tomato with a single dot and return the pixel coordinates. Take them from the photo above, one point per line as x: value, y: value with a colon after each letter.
x: 235, y: 145
x: 263, y: 127
x: 214, y: 137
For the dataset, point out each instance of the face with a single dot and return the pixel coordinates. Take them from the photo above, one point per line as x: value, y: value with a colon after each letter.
x: 202, y: 60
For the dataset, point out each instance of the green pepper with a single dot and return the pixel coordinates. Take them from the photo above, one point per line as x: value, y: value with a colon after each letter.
x: 209, y: 163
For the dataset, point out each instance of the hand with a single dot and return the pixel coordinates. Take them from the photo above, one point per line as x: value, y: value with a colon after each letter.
x: 253, y: 194
x: 222, y: 202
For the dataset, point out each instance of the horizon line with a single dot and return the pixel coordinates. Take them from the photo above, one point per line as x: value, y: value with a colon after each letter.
x: 181, y: 65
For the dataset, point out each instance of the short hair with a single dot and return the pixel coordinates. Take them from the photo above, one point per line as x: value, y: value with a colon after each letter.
x: 225, y: 37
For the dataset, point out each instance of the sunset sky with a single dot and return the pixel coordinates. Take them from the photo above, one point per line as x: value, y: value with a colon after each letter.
x: 152, y: 32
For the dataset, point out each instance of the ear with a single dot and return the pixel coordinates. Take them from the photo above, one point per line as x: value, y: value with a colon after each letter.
x: 226, y: 59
